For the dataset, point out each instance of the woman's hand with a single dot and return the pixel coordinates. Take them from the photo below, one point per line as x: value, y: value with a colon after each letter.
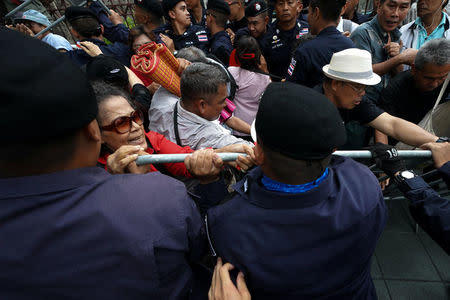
x: 90, y: 48
x: 123, y: 160
x: 205, y: 165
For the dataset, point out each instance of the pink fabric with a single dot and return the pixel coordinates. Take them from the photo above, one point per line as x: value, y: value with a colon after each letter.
x: 251, y: 85
x: 227, y: 112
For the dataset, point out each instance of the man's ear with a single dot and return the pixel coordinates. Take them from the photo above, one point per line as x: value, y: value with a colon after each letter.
x: 300, y: 6
x: 259, y: 154
x: 201, y: 105
x: 92, y: 132
x: 75, y: 34
x: 266, y: 20
x: 334, y: 84
x: 171, y: 14
x: 103, y: 28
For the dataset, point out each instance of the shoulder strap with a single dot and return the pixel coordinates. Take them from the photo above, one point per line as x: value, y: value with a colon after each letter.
x: 175, y: 124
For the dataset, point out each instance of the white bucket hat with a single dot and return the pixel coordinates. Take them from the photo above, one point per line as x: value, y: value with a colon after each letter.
x: 352, y: 65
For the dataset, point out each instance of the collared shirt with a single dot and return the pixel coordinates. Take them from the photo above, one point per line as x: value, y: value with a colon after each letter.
x: 277, y: 46
x: 437, y: 33
x: 197, y: 132
x: 309, y: 58
x: 369, y: 36
x: 221, y: 46
x: 193, y: 36
x: 83, y: 232
x: 119, y: 51
x: 161, y: 111
x: 307, y: 245
x: 410, y: 32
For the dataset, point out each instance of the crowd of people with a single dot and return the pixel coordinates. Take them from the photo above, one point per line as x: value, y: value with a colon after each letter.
x: 283, y: 82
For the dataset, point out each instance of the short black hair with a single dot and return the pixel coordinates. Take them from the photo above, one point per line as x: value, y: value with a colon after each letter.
x: 329, y: 9
x: 220, y: 18
x: 87, y: 27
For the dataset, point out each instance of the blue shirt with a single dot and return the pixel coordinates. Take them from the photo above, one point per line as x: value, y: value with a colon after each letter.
x: 58, y: 42
x: 114, y: 33
x: 277, y: 46
x: 309, y: 58
x: 193, y: 36
x: 437, y: 33
x: 369, y: 36
x: 307, y: 245
x: 85, y: 233
x: 221, y: 47
x: 119, y: 51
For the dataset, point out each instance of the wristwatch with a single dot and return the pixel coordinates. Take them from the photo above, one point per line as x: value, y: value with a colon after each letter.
x: 443, y: 139
x: 401, y: 179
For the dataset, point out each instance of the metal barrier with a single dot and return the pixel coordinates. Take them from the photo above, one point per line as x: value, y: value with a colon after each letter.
x: 175, y: 158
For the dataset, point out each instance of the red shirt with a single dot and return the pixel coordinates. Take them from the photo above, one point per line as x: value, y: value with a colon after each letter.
x: 160, y: 145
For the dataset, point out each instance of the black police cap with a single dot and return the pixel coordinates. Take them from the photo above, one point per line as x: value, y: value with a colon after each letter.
x: 219, y: 6
x: 76, y: 12
x: 108, y: 69
x: 298, y: 122
x: 168, y: 5
x: 255, y: 8
x: 152, y: 6
x: 44, y: 94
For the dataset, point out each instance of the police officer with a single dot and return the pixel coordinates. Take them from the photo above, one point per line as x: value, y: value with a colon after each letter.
x: 216, y: 18
x: 258, y: 21
x: 309, y: 58
x: 179, y: 33
x: 85, y: 26
x: 283, y: 36
x: 303, y: 221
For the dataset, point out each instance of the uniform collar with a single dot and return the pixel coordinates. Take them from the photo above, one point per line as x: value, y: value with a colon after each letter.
x: 330, y: 30
x: 252, y: 191
x: 51, y: 182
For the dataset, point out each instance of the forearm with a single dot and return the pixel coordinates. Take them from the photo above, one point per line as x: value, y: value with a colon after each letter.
x: 387, y: 66
x: 238, y: 125
x: 380, y: 137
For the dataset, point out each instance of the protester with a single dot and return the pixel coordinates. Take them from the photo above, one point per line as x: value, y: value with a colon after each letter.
x: 32, y: 22
x: 431, y: 23
x: 351, y: 12
x: 283, y: 36
x: 412, y: 93
x: 381, y: 38
x: 197, y: 11
x: 86, y: 27
x: 249, y: 79
x: 309, y: 58
x: 429, y: 210
x: 179, y: 32
x: 87, y: 230
x: 216, y: 18
x: 348, y: 75
x: 300, y: 190
x: 194, y: 121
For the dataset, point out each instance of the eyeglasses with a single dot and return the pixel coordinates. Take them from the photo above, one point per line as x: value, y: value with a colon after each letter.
x: 123, y: 124
x: 359, y: 89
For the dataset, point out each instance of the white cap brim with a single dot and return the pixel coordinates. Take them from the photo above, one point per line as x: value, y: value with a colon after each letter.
x: 372, y: 80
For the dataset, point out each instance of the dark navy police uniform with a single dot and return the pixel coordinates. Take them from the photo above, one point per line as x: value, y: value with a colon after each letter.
x: 85, y: 233
x: 221, y: 46
x: 309, y: 58
x: 119, y: 51
x: 311, y: 245
x: 277, y: 46
x: 194, y: 36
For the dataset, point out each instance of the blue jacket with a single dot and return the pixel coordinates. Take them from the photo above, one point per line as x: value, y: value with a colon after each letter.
x: 429, y: 210
x: 221, y: 47
x: 119, y: 51
x: 84, y: 233
x: 114, y: 33
x: 309, y: 58
x: 313, y: 245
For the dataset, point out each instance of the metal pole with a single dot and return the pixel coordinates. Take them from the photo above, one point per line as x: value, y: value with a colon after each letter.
x: 175, y: 158
x: 54, y: 23
x: 18, y: 8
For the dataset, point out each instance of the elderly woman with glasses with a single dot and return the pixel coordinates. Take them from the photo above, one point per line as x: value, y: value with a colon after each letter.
x: 124, y: 139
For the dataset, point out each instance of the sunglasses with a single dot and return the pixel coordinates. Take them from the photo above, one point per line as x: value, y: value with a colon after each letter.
x: 123, y: 124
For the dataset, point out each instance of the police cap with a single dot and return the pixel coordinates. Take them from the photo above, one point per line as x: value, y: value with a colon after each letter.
x: 255, y: 8
x: 298, y: 122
